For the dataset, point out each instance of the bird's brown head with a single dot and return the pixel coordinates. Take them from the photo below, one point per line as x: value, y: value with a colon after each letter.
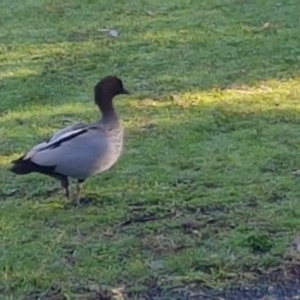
x: 107, y: 88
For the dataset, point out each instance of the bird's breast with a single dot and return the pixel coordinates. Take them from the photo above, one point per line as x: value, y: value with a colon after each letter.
x: 113, y: 151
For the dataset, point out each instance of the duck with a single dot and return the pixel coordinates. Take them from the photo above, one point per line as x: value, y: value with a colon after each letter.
x: 81, y: 150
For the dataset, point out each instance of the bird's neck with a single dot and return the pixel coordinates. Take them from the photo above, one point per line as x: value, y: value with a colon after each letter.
x: 107, y: 109
x: 109, y: 117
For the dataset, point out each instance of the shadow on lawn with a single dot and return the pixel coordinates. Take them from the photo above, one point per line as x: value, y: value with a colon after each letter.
x: 271, y: 286
x: 154, y: 63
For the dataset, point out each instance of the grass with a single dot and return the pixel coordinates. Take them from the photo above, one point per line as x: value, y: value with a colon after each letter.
x: 204, y: 193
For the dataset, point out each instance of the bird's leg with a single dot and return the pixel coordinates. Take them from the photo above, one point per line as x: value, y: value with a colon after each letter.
x: 78, y: 190
x: 65, y: 185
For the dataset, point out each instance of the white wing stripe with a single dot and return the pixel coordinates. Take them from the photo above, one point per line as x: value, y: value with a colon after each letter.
x: 65, y: 135
x: 42, y: 146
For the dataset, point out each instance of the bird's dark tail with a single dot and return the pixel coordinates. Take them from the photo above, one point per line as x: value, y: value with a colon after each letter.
x: 22, y: 166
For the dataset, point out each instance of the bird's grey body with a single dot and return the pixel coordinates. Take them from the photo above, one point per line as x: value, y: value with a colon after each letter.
x: 95, y: 149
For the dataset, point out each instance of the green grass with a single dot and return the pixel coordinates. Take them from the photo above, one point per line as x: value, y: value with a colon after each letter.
x: 212, y: 140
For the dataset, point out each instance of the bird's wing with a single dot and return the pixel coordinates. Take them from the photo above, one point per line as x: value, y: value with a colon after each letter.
x: 66, y: 130
x: 72, y: 151
x: 55, y: 137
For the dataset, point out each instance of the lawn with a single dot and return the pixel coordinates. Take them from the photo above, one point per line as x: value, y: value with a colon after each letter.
x: 204, y: 195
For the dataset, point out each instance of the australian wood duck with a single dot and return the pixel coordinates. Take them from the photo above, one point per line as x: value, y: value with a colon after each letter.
x: 81, y: 150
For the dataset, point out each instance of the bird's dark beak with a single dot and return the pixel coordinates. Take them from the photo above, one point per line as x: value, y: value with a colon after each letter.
x: 125, y: 92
